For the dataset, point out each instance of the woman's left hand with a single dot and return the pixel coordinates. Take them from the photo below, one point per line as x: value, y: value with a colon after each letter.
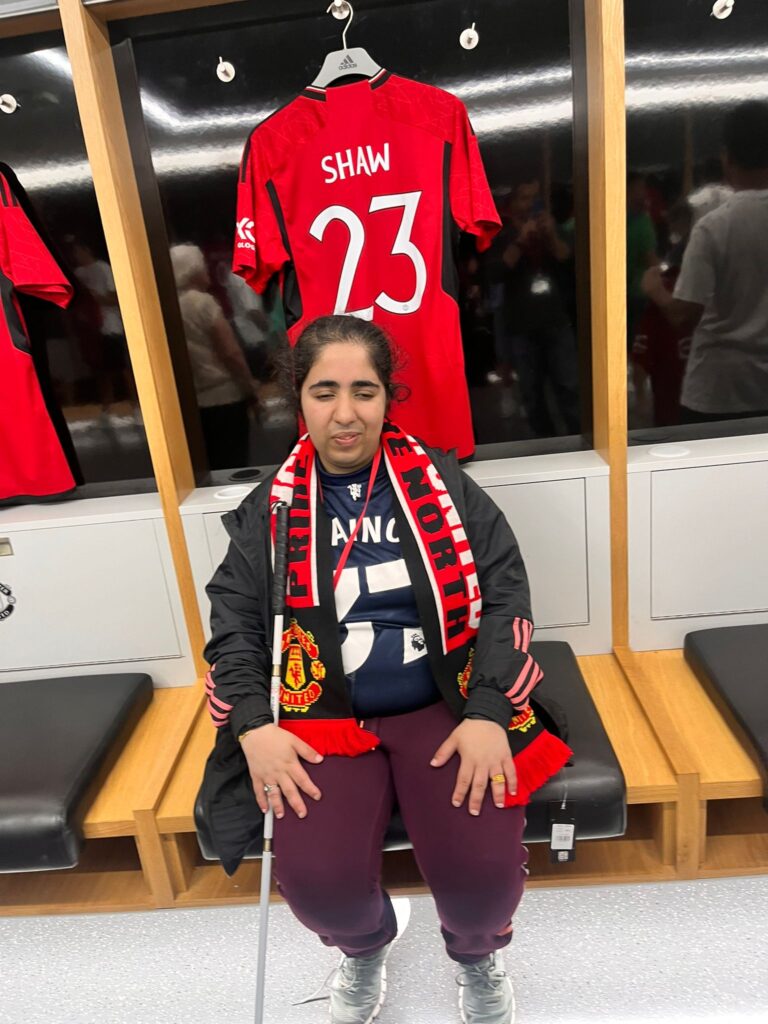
x: 484, y: 751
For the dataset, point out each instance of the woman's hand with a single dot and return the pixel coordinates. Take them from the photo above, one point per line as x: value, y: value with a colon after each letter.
x: 273, y: 756
x: 484, y: 751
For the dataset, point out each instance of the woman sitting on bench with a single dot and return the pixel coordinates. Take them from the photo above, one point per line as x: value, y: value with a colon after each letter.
x: 406, y: 676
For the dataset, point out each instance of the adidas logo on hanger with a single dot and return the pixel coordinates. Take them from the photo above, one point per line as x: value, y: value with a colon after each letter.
x: 347, y: 64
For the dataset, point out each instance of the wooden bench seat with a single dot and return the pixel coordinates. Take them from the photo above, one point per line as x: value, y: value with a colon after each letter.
x: 121, y: 865
x: 725, y: 826
x: 646, y: 851
x: 142, y: 850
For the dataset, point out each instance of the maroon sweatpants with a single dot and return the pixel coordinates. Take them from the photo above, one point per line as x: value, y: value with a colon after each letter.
x: 327, y: 866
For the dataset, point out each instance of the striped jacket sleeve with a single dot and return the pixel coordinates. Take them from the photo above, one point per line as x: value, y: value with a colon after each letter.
x: 504, y: 673
x: 238, y: 651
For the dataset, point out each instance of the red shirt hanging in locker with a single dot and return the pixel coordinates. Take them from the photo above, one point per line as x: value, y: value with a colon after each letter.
x: 355, y: 193
x: 32, y: 463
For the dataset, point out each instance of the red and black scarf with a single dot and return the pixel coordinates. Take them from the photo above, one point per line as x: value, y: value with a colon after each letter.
x: 314, y: 700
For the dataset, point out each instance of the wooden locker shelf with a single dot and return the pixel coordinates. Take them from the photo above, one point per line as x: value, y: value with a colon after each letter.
x: 731, y: 823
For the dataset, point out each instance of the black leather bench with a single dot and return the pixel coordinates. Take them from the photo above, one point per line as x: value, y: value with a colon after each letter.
x: 731, y: 663
x: 594, y: 781
x: 58, y: 739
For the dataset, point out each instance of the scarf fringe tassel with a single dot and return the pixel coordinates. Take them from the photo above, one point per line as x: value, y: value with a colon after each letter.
x: 535, y: 765
x: 341, y: 736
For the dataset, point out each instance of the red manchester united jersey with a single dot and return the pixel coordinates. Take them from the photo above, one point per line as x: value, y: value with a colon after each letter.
x: 356, y: 193
x: 32, y: 463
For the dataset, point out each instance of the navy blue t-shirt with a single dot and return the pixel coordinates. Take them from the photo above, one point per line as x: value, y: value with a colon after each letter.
x: 382, y: 643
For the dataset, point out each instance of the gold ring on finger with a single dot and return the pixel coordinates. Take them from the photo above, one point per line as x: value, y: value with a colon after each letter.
x: 498, y: 778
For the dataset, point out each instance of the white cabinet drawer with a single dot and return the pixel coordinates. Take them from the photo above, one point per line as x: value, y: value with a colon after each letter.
x: 89, y: 594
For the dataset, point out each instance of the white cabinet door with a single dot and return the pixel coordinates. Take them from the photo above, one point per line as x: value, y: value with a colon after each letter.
x: 84, y: 595
x: 549, y: 520
x: 709, y: 542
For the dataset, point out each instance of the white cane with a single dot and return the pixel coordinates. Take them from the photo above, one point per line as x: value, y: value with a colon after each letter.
x: 278, y: 605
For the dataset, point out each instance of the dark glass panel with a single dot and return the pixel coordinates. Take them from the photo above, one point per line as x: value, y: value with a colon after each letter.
x: 80, y: 353
x: 697, y: 219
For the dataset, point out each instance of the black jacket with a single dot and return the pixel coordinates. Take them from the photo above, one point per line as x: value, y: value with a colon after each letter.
x: 241, y: 628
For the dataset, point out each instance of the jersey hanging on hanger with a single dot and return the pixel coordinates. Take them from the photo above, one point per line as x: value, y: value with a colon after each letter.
x: 32, y: 462
x: 356, y: 194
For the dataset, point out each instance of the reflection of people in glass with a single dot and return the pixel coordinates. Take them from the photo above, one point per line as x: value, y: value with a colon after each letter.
x: 641, y: 248
x: 711, y: 192
x: 223, y: 382
x: 722, y: 291
x: 112, y: 361
x: 659, y: 347
x: 249, y: 321
x: 538, y: 340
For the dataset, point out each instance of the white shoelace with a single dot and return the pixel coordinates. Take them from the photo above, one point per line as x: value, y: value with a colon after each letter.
x: 348, y: 971
x: 492, y: 977
x: 320, y: 993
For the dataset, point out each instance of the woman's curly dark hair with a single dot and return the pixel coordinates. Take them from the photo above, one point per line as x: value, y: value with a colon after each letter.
x: 385, y: 357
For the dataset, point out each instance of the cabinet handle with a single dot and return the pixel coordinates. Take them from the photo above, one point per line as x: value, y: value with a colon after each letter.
x: 5, y: 546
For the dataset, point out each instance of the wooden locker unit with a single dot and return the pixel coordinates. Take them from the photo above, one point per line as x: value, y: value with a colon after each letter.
x: 690, y: 815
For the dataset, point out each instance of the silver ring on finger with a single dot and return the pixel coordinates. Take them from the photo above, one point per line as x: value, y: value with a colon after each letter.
x: 268, y: 789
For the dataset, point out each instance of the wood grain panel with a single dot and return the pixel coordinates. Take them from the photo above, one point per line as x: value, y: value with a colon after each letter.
x: 664, y: 721
x: 604, y: 23
x: 111, y: 10
x: 106, y: 141
x: 648, y: 774
x: 692, y: 730
x: 175, y: 813
x: 153, y: 860
x: 107, y: 892
x: 139, y: 778
x: 29, y: 24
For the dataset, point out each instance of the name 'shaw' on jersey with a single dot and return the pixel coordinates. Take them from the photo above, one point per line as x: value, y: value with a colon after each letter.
x: 345, y: 165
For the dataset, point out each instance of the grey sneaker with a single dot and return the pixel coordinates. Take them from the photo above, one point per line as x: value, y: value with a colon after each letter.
x: 359, y: 987
x: 486, y: 995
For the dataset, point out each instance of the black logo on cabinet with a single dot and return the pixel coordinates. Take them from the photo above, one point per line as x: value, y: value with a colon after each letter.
x: 7, y: 602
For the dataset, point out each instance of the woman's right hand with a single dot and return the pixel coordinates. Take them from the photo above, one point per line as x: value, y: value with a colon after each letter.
x: 273, y: 756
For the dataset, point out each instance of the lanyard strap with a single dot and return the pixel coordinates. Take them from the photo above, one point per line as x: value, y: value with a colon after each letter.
x: 348, y: 546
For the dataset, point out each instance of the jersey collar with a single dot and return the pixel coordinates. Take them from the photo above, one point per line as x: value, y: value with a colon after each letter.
x: 312, y: 92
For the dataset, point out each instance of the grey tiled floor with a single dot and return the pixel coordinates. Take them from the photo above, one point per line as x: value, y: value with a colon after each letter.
x: 683, y: 953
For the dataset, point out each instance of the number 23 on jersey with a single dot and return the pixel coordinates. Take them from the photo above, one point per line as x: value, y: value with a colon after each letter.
x: 408, y: 202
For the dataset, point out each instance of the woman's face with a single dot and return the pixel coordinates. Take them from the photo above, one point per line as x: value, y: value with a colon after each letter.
x: 343, y: 403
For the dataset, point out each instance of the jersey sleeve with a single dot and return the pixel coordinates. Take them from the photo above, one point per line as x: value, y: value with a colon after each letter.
x: 472, y: 204
x: 25, y: 259
x: 260, y: 250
